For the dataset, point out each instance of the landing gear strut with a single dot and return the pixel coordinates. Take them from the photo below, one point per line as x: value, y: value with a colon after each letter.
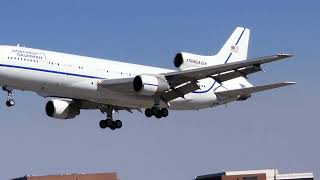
x: 109, y: 122
x: 10, y: 101
x: 157, y: 112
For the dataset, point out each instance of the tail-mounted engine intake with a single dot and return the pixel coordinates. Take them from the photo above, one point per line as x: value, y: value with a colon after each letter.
x: 186, y: 60
x: 150, y: 85
x: 61, y: 109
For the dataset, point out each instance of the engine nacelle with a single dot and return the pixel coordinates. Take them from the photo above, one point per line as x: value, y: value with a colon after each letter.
x: 187, y: 61
x: 61, y: 109
x: 150, y: 85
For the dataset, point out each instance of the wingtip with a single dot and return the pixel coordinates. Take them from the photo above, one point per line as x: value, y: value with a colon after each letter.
x: 285, y: 55
x: 290, y: 83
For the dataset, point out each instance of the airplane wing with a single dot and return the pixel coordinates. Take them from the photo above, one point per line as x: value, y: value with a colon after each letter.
x: 185, y: 81
x: 222, y: 72
x: 249, y: 90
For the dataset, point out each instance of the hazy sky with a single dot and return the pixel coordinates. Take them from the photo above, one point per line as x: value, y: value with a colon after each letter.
x: 276, y: 129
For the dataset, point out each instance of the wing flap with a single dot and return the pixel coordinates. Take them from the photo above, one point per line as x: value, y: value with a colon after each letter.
x: 179, y: 91
x: 249, y: 90
x: 236, y: 73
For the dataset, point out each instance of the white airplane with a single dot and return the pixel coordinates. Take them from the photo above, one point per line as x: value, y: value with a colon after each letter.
x: 78, y: 82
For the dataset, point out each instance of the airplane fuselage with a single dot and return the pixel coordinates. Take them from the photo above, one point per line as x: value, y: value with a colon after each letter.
x: 53, y: 74
x: 78, y: 82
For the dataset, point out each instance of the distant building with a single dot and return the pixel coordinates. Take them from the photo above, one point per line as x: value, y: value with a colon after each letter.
x: 267, y: 174
x: 96, y: 176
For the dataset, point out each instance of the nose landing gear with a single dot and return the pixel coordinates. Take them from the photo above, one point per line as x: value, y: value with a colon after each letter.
x: 10, y: 101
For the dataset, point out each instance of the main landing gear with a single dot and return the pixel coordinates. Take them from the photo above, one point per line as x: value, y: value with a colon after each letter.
x: 109, y: 122
x: 117, y: 124
x: 157, y: 112
x: 10, y: 101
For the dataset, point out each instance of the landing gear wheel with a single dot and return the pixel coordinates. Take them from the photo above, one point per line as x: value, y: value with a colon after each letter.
x: 155, y: 111
x: 148, y: 112
x: 109, y: 122
x: 113, y: 125
x: 10, y: 102
x: 103, y: 124
x: 158, y: 115
x: 164, y: 112
x: 118, y: 124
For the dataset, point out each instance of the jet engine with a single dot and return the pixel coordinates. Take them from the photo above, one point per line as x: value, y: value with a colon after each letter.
x: 61, y: 109
x: 184, y: 60
x: 150, y: 85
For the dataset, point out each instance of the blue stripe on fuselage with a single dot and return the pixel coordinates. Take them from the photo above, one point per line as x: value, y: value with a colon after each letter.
x: 50, y: 71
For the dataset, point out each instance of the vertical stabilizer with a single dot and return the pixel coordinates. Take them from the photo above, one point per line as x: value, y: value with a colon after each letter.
x: 235, y: 49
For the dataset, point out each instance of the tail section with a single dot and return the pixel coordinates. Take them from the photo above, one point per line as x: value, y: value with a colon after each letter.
x: 235, y: 49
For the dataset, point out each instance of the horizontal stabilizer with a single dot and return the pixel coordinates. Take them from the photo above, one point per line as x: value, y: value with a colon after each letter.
x: 254, y: 89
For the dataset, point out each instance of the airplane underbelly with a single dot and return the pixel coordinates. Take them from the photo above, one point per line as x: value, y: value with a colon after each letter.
x: 20, y: 78
x: 194, y: 101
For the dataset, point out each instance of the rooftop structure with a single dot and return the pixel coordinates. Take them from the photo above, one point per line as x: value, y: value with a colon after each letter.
x: 267, y: 174
x: 95, y: 176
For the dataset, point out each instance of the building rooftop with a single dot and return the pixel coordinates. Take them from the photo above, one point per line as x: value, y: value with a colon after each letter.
x: 77, y: 176
x: 270, y: 174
